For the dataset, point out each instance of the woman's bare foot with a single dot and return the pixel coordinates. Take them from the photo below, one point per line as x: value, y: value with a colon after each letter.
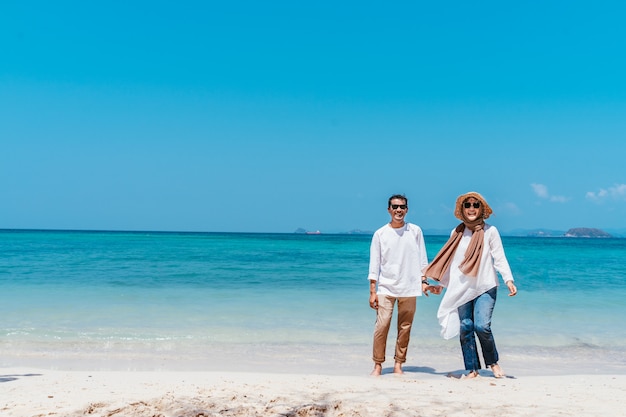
x: 397, y: 369
x: 497, y: 371
x: 471, y: 375
x: 378, y: 370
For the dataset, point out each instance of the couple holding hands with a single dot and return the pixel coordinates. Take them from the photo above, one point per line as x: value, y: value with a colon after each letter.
x: 467, y: 266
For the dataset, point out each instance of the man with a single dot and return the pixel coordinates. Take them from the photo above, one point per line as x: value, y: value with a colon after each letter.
x: 397, y: 259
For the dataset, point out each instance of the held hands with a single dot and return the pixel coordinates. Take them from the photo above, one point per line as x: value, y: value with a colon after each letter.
x: 434, y: 289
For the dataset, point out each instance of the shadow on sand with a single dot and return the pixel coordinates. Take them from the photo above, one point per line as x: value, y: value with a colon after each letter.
x: 458, y: 374
x: 9, y: 378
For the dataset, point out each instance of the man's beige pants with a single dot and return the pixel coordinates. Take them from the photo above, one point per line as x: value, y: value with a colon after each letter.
x: 406, y: 311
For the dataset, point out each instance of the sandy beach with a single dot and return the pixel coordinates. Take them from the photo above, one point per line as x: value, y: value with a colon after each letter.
x: 36, y: 392
x: 308, y: 382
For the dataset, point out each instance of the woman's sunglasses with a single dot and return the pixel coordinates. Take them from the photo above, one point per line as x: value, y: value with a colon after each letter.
x: 468, y: 205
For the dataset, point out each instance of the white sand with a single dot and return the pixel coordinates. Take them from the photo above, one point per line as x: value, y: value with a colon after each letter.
x: 33, y: 392
x: 288, y: 381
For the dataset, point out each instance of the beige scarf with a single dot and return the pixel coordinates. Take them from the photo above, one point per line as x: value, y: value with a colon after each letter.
x: 471, y: 262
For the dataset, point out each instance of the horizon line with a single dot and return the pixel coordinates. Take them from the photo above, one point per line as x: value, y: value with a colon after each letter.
x: 427, y: 232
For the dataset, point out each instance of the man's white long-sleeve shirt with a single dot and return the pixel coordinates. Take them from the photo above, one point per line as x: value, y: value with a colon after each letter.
x: 397, y: 259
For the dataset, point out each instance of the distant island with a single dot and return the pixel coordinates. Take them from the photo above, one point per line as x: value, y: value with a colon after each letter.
x: 540, y: 233
x: 307, y: 232
x: 586, y: 232
x: 359, y: 232
x: 303, y: 231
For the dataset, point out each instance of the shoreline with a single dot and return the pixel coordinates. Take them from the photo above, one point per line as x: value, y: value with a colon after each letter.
x: 339, y: 360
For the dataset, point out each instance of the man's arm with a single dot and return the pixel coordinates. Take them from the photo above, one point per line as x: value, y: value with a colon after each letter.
x: 373, y: 295
x: 374, y: 269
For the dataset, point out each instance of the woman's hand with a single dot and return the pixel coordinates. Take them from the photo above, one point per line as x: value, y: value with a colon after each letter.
x: 512, y: 288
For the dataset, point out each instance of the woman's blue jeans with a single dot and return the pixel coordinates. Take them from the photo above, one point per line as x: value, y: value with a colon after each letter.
x: 475, y: 319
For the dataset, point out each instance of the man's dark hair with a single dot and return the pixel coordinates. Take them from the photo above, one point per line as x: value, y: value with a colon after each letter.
x: 399, y: 197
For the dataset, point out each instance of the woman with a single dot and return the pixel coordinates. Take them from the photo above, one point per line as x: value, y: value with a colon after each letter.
x: 467, y: 266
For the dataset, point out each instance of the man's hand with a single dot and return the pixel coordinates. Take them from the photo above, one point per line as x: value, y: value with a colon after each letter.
x: 374, y: 301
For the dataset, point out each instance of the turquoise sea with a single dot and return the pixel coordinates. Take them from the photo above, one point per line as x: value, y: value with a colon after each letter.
x: 210, y: 301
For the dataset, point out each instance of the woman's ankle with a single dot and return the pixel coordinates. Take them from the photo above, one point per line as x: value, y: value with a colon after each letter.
x: 472, y: 374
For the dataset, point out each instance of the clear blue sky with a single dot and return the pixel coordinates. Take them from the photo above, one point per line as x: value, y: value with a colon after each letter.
x: 270, y: 116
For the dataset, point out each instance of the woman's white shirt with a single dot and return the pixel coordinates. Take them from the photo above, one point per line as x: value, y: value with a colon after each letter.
x: 461, y: 288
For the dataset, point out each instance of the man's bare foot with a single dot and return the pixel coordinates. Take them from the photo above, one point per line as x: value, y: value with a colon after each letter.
x: 497, y: 371
x: 378, y: 370
x: 397, y: 369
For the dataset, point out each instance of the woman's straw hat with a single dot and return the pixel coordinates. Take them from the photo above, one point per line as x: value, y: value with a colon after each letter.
x: 458, y: 211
